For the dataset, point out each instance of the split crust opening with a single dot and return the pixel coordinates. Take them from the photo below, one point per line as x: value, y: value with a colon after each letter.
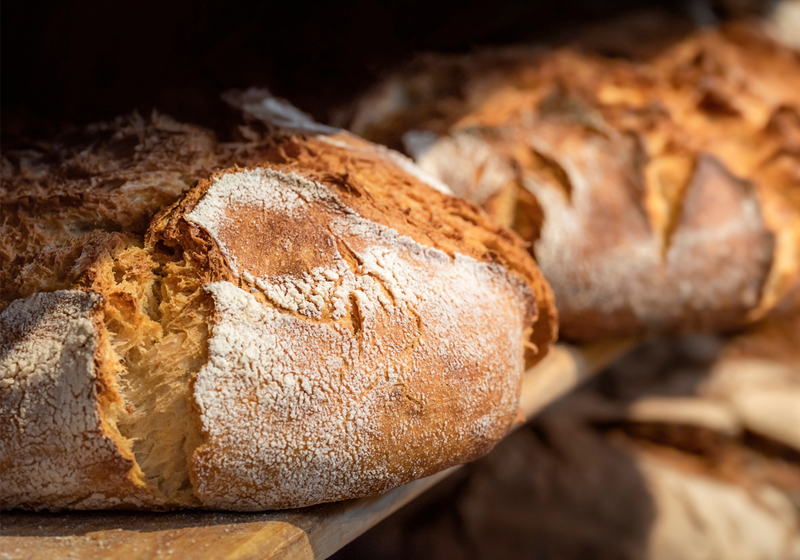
x: 157, y: 315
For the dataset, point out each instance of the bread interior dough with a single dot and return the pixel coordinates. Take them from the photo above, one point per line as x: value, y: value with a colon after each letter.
x: 157, y: 317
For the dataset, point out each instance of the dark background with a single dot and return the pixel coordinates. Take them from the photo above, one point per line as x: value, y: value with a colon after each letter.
x: 86, y: 60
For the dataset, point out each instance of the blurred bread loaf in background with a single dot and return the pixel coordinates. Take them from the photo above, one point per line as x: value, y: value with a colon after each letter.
x: 658, y: 194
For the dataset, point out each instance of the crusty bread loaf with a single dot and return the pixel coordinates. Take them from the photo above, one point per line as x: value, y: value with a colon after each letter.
x: 657, y: 195
x: 318, y: 325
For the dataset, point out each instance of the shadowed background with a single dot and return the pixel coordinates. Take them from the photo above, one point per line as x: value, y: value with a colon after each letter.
x: 78, y: 62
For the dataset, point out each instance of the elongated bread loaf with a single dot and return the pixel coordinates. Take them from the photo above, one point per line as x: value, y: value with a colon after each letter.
x: 318, y: 325
x: 657, y: 195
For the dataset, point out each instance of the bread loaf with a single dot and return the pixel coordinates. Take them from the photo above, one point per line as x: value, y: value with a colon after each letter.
x: 657, y: 195
x: 318, y: 324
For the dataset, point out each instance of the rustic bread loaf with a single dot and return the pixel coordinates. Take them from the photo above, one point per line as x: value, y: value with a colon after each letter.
x: 318, y: 325
x: 657, y: 195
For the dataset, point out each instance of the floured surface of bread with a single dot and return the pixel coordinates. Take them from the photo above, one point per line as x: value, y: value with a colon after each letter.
x: 325, y: 325
x: 57, y: 447
x: 658, y: 195
x: 374, y: 185
x: 349, y: 378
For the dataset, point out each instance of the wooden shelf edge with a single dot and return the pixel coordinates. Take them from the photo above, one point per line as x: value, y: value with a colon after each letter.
x: 314, y: 532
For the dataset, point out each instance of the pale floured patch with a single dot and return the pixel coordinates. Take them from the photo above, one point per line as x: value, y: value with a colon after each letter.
x: 53, y: 444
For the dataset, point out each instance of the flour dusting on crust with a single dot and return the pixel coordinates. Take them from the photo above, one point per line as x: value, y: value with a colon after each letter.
x: 53, y: 444
x: 357, y: 359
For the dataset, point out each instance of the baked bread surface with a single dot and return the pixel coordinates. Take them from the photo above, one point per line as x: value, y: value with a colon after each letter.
x: 373, y: 371
x: 319, y: 325
x: 54, y: 441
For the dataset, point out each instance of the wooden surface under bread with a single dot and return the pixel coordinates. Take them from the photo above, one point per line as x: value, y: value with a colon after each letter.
x: 313, y: 532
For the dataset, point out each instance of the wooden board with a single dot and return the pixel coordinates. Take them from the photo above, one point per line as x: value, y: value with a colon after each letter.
x: 313, y: 532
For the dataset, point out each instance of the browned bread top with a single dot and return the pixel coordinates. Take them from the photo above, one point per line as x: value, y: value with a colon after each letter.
x: 65, y: 203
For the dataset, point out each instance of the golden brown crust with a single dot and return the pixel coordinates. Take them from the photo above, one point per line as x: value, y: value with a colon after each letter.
x: 668, y: 188
x: 365, y: 331
x: 346, y: 275
x: 66, y: 204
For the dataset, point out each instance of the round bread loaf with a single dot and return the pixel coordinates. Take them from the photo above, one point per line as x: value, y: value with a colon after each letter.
x: 319, y: 325
x: 658, y: 195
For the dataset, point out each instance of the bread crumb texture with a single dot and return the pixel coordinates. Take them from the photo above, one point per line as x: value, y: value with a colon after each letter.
x: 320, y: 325
x: 657, y: 195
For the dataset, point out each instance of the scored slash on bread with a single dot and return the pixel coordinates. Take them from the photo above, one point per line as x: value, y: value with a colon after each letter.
x: 315, y: 325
